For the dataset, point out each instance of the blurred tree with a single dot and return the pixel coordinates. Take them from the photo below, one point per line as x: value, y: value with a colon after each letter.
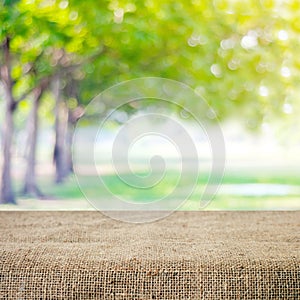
x: 34, y: 37
x: 30, y: 40
x: 11, y: 27
x: 67, y: 113
x: 7, y: 195
x: 30, y: 185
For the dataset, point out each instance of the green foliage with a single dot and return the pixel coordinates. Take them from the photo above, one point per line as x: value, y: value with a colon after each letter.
x: 241, y: 56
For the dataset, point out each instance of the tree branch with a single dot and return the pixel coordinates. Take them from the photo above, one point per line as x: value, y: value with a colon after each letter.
x: 42, y: 85
x: 72, y: 67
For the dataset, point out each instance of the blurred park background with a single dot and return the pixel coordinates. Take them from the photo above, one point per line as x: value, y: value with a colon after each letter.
x: 241, y: 56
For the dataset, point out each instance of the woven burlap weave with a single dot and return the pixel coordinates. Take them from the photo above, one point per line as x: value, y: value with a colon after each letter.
x: 188, y: 255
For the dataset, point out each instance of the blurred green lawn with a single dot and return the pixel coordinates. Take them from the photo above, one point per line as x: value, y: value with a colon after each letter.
x: 68, y: 196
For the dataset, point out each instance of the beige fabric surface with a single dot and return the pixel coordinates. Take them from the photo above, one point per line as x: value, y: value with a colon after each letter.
x: 188, y: 255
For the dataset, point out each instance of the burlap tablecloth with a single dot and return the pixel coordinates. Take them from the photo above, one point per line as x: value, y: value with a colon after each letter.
x: 188, y: 255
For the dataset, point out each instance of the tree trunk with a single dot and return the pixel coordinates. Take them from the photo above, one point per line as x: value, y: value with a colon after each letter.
x: 69, y: 139
x: 7, y: 193
x: 30, y: 185
x: 65, y: 120
x: 60, y: 157
x: 74, y: 114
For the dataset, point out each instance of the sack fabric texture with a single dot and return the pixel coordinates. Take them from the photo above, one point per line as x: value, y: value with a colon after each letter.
x: 187, y: 255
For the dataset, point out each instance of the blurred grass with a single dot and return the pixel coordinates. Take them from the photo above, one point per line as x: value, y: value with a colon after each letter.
x: 68, y: 196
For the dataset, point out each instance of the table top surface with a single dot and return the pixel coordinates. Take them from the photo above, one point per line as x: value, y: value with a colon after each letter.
x: 188, y: 236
